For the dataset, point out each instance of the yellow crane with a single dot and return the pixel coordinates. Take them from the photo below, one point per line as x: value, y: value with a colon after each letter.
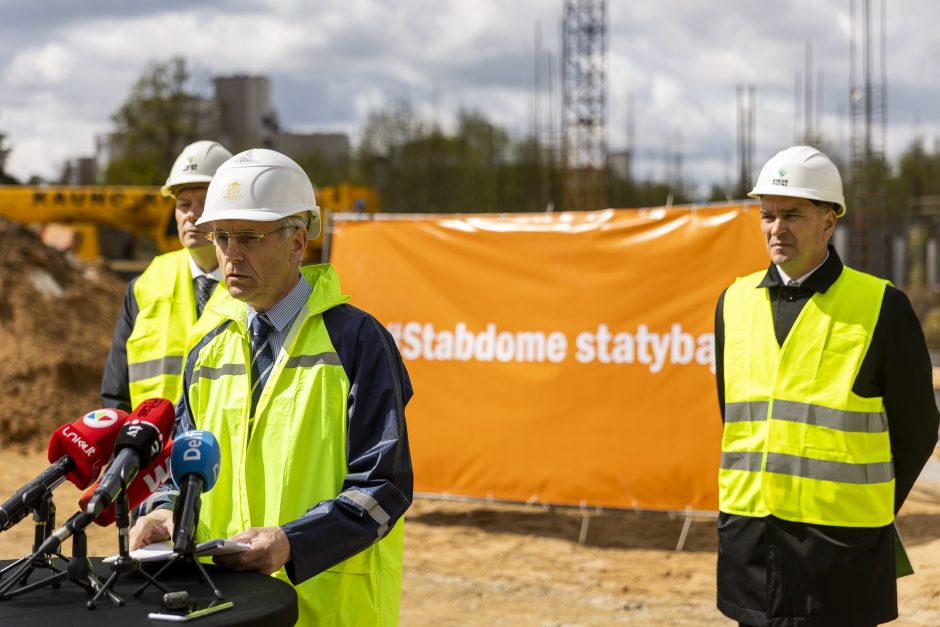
x: 87, y: 220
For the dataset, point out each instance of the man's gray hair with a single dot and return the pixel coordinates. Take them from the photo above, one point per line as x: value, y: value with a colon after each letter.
x: 298, y: 221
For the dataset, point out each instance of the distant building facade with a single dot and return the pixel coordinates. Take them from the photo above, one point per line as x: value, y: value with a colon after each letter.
x: 80, y: 171
x: 247, y: 119
x: 240, y: 116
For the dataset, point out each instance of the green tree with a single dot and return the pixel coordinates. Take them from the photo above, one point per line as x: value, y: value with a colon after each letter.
x: 627, y: 193
x: 382, y: 158
x: 162, y: 114
x: 417, y: 167
x: 321, y: 170
x: 916, y: 173
x: 481, y: 151
x: 718, y: 193
x: 5, y: 179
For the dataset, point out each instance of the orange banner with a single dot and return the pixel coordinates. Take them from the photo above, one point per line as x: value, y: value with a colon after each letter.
x: 558, y: 358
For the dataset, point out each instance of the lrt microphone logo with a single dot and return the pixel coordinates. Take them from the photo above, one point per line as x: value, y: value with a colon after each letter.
x: 100, y: 418
x: 79, y: 441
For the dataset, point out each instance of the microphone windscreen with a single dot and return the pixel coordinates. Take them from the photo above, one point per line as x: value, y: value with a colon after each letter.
x: 88, y: 442
x: 158, y: 412
x: 143, y: 438
x: 197, y: 453
x: 143, y: 485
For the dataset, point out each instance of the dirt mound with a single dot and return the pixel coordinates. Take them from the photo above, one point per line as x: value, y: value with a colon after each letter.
x: 57, y: 317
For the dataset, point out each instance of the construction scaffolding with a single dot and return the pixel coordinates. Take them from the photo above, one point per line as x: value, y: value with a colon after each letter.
x: 746, y: 97
x: 584, y: 116
x: 870, y: 241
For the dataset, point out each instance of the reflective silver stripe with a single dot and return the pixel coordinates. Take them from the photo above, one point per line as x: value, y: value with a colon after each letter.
x: 741, y: 460
x: 746, y: 411
x: 841, y: 472
x: 372, y: 506
x: 309, y: 361
x: 857, y: 421
x: 154, y: 368
x: 147, y: 506
x: 207, y: 372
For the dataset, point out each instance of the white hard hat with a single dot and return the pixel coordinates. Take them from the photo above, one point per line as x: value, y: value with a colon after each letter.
x: 802, y: 172
x: 262, y: 185
x: 195, y: 166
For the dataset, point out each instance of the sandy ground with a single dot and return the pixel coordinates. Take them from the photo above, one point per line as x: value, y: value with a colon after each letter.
x: 473, y: 564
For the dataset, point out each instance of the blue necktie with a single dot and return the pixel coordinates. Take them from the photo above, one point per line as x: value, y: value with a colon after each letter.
x: 262, y: 357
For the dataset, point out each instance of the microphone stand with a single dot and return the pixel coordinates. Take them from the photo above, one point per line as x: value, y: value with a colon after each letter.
x: 79, y: 572
x: 182, y: 558
x: 124, y: 562
x: 44, y: 521
x: 187, y: 554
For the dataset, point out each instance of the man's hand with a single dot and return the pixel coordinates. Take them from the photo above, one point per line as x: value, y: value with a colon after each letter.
x: 154, y: 527
x: 269, y: 550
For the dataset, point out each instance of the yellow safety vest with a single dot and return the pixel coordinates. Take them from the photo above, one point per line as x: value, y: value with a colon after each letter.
x: 157, y: 345
x: 797, y: 442
x: 296, y: 455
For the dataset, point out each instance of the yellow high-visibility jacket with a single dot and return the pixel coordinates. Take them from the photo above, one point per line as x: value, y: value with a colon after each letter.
x: 337, y: 391
x: 797, y: 442
x: 167, y: 311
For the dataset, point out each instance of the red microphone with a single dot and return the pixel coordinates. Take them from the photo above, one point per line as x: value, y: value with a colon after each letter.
x: 139, y: 444
x: 143, y: 485
x: 88, y: 442
x: 157, y: 411
x: 77, y: 451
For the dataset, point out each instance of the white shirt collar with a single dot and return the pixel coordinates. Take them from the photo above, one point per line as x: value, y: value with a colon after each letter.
x: 786, y: 280
x: 197, y: 271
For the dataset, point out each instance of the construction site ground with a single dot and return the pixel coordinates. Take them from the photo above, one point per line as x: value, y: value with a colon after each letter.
x: 478, y: 564
x: 465, y: 563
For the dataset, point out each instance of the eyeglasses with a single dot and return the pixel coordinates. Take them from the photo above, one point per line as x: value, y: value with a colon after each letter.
x: 244, y: 238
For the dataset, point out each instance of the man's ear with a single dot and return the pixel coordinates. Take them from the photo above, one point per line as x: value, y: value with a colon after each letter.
x: 298, y: 244
x: 830, y: 221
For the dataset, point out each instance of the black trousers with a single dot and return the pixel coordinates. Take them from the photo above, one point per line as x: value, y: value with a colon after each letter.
x: 749, y: 625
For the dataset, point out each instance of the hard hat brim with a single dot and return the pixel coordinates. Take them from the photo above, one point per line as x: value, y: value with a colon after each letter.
x: 798, y: 192
x: 255, y: 215
x: 182, y: 182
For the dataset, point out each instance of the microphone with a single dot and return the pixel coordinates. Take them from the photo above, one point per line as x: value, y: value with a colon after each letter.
x: 138, y: 444
x: 154, y: 475
x: 157, y: 413
x: 77, y: 451
x: 143, y: 485
x: 194, y: 463
x: 77, y: 522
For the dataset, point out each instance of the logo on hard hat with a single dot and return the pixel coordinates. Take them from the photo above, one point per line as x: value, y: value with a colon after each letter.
x: 191, y: 166
x: 780, y: 181
x: 234, y: 191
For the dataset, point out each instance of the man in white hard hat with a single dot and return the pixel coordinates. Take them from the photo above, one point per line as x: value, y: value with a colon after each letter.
x: 824, y: 382
x: 306, y: 396
x: 163, y: 303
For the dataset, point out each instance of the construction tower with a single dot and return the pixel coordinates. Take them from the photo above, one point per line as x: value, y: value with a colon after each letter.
x: 584, y: 115
x: 746, y: 96
x: 870, y: 238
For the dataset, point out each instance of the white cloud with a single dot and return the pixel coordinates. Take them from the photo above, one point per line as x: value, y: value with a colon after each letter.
x: 63, y: 72
x: 48, y: 66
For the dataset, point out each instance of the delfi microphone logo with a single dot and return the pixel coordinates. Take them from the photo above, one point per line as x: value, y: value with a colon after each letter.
x: 100, y: 418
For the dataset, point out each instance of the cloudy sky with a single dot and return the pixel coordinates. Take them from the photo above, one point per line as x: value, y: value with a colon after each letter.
x: 66, y: 66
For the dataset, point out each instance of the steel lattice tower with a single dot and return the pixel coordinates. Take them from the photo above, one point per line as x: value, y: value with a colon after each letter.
x: 584, y: 116
x: 865, y: 193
